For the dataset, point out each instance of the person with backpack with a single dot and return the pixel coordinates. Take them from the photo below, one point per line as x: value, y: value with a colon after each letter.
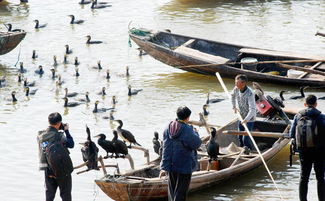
x: 55, y: 159
x: 308, y: 133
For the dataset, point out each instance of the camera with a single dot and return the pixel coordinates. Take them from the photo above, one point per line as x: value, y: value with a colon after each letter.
x: 62, y: 126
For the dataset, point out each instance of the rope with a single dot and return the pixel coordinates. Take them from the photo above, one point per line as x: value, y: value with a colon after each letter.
x: 18, y: 55
x: 250, y: 135
x: 139, y: 32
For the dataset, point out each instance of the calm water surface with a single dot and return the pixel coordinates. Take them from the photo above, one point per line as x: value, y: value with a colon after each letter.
x: 281, y: 25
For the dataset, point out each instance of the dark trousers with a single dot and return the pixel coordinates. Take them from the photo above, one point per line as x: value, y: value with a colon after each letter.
x: 307, y: 159
x: 178, y: 185
x: 51, y: 185
x: 245, y: 140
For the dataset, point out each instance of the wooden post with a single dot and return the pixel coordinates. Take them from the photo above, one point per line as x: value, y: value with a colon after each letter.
x: 128, y: 156
x: 146, y: 152
x: 100, y: 159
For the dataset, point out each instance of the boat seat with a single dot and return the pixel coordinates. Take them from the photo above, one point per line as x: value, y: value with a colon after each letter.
x: 196, y: 54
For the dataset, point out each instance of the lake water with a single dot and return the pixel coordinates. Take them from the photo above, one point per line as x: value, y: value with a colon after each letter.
x: 282, y: 25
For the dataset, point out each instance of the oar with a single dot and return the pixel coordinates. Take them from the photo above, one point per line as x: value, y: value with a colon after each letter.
x: 320, y: 34
x: 257, y: 134
x: 302, y: 69
x: 249, y: 133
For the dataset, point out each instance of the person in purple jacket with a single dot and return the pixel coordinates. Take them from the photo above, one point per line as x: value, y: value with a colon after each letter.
x: 180, y: 142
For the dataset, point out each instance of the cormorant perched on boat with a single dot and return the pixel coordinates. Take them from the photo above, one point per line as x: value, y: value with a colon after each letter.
x: 19, y: 77
x: 120, y: 147
x: 156, y: 144
x: 76, y: 62
x: 77, y: 72
x: 105, y: 144
x: 92, y: 42
x: 40, y: 70
x: 13, y: 97
x: 94, y: 5
x: 69, y: 95
x: 102, y: 92
x: 110, y: 117
x: 90, y: 152
x: 100, y: 110
x: 12, y: 30
x: 214, y: 100
x: 65, y: 59
x: 107, y: 75
x: 26, y: 84
x: 73, y: 21
x: 68, y: 50
x: 213, y: 146
x: 87, y: 99
x: 21, y: 68
x: 70, y: 104
x: 83, y: 2
x: 205, y: 112
x: 258, y: 90
x: 301, y: 92
x: 281, y: 95
x: 125, y: 134
x: 53, y: 73
x: 38, y: 26
x: 28, y: 92
x: 55, y: 62
x: 133, y: 92
x: 34, y: 56
x: 127, y: 74
x: 99, y: 65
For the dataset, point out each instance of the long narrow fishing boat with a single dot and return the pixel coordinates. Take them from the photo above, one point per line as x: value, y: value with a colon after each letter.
x: 144, y: 183
x: 208, y: 57
x: 10, y: 40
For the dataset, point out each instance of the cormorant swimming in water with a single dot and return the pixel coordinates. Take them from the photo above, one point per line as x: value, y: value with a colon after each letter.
x: 77, y: 72
x: 83, y: 2
x: 90, y: 152
x: 87, y: 99
x: 281, y: 95
x: 127, y: 74
x: 94, y: 5
x: 301, y: 92
x: 69, y: 95
x: 59, y: 81
x: 34, y: 56
x: 71, y: 104
x: 125, y: 134
x: 13, y: 97
x: 114, y: 101
x: 92, y: 42
x: 12, y: 30
x: 65, y: 59
x: 68, y: 50
x: 40, y: 70
x: 73, y: 21
x: 21, y: 68
x: 38, y: 26
x: 28, y: 92
x: 102, y: 92
x: 205, y: 112
x: 100, y: 110
x: 156, y: 144
x: 99, y: 65
x: 19, y: 77
x: 110, y: 117
x: 107, y: 75
x: 213, y: 146
x: 133, y: 92
x: 26, y: 84
x: 105, y: 144
x: 55, y: 62
x: 76, y: 62
x: 53, y: 73
x: 214, y: 100
x: 120, y: 147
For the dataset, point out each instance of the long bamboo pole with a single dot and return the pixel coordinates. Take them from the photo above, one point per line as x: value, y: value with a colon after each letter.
x: 320, y: 34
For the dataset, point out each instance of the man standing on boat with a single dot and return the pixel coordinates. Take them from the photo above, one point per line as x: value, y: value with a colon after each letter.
x: 243, y: 101
x: 180, y: 142
x: 308, y: 133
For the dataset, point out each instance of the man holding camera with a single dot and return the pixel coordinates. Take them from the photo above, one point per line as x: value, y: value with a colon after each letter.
x: 55, y: 159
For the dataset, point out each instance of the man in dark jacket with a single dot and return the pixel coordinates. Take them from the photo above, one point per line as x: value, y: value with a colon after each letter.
x: 46, y: 137
x: 311, y: 155
x: 179, y: 160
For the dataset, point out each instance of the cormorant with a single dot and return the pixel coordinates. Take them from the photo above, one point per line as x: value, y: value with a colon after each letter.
x: 2, y: 83
x: 100, y: 110
x: 205, y: 112
x: 127, y: 74
x: 70, y: 104
x: 141, y: 52
x: 110, y: 117
x: 133, y: 92
x: 13, y: 97
x: 83, y: 2
x: 40, y: 70
x: 76, y: 62
x: 65, y: 59
x: 53, y: 73
x: 34, y: 56
x: 38, y: 26
x: 281, y: 95
x: 21, y: 68
x: 59, y: 81
x: 102, y: 92
x: 68, y: 50
x: 73, y: 21
x: 12, y: 30
x: 99, y: 66
x: 92, y: 42
x: 19, y: 77
x: 107, y: 145
x: 28, y: 92
x: 95, y: 6
x: 120, y: 147
x: 214, y: 100
x: 26, y: 84
x: 100, y: 2
x: 114, y: 101
x: 125, y: 134
x: 55, y: 62
x: 301, y: 92
x: 77, y: 72
x: 90, y: 152
x: 156, y: 144
x: 87, y: 99
x: 107, y: 75
x: 213, y: 146
x: 69, y: 95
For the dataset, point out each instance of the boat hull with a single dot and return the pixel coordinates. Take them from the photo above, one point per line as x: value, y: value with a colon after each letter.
x: 10, y: 40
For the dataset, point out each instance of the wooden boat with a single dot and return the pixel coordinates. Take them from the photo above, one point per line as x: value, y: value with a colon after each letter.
x: 208, y: 57
x: 144, y: 184
x: 10, y: 40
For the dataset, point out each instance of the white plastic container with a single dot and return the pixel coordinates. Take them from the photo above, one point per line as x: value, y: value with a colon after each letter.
x: 294, y: 73
x: 248, y: 66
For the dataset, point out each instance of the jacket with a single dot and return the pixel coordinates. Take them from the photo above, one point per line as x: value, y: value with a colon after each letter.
x: 180, y: 142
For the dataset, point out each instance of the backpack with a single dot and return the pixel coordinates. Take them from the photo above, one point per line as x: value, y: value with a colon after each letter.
x: 58, y: 158
x: 306, y: 132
